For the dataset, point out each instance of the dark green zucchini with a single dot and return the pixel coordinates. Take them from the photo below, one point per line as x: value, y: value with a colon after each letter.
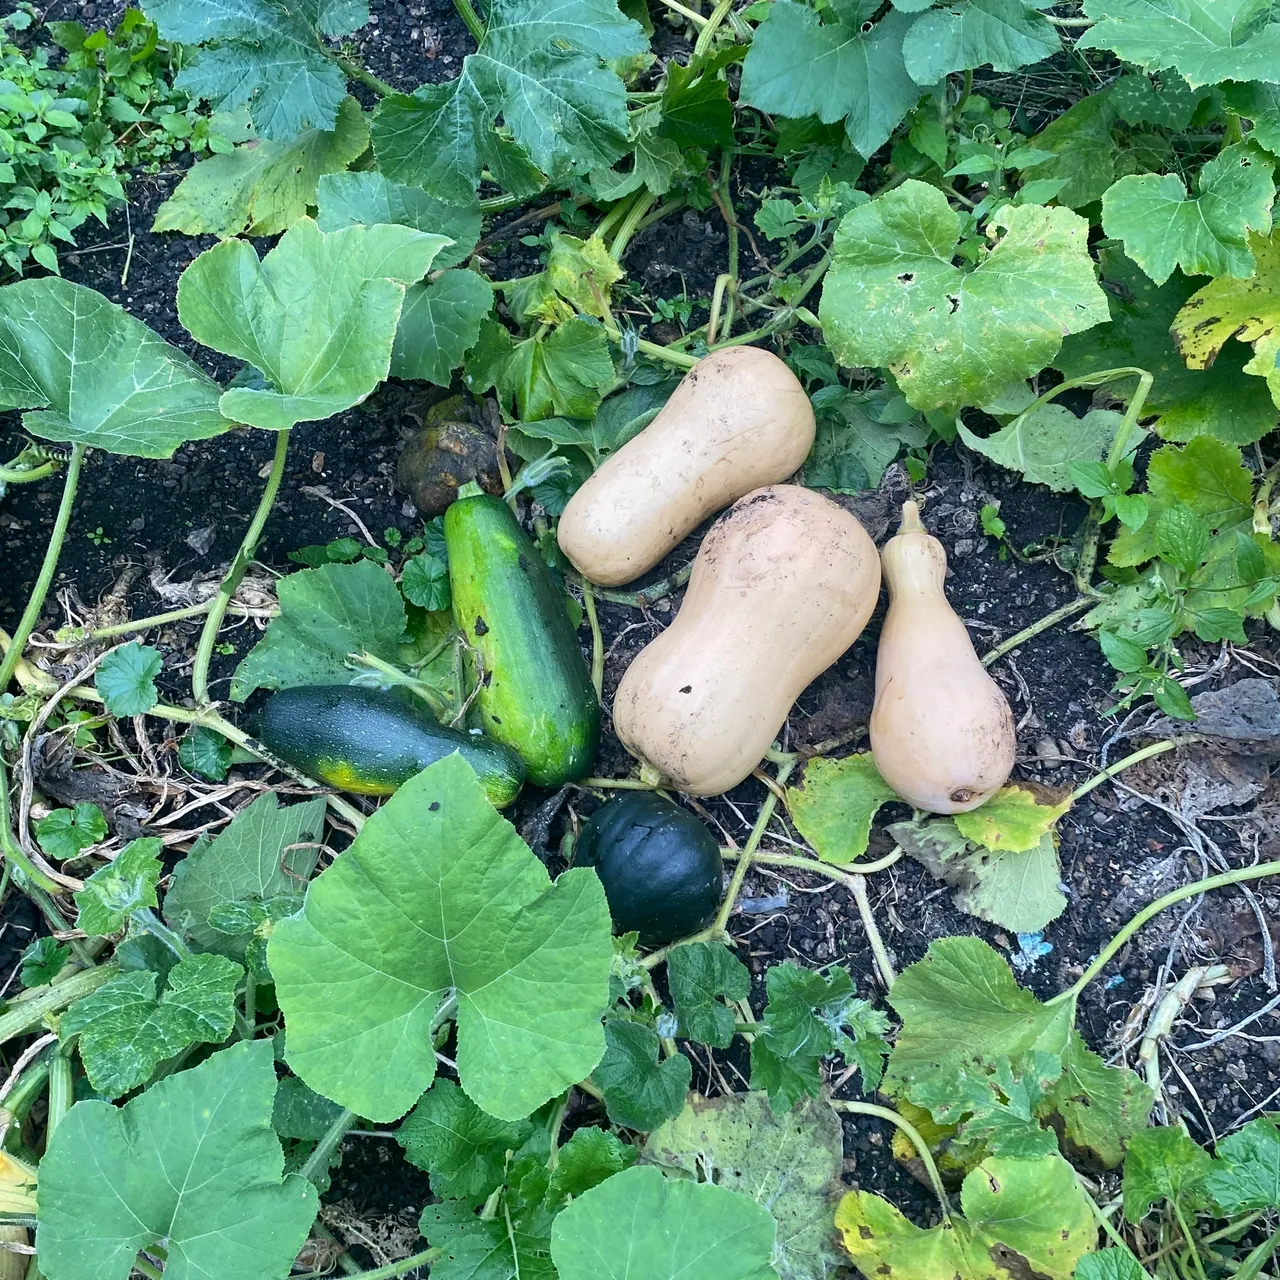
x: 371, y: 740
x: 660, y: 867
x: 535, y: 690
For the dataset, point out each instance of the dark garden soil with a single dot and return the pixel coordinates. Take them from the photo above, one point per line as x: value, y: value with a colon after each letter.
x: 138, y: 521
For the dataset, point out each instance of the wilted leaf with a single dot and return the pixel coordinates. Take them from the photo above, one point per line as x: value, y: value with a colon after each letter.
x: 1016, y: 818
x: 834, y: 804
x: 1043, y: 442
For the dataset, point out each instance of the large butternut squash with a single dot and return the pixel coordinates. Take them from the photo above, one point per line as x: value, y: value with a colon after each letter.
x: 739, y: 420
x: 942, y: 734
x: 782, y: 586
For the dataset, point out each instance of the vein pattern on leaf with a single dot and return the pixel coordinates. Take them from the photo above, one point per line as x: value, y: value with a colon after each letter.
x: 799, y: 66
x: 92, y: 374
x: 539, y: 69
x: 266, y: 55
x: 1206, y: 40
x: 1163, y: 229
x: 439, y: 894
x: 1002, y: 34
x: 317, y: 316
x: 193, y: 1162
x: 895, y: 298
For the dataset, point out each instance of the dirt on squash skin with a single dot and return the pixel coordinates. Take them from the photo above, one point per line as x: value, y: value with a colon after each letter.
x: 185, y: 517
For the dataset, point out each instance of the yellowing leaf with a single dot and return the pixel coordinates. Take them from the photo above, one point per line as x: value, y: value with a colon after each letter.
x: 834, y: 804
x: 1012, y: 821
x: 581, y: 272
x: 1248, y: 310
x: 1021, y: 1217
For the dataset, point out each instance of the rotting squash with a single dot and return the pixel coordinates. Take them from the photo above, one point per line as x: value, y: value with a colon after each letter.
x: 942, y: 734
x: 660, y: 867
x: 534, y: 690
x: 739, y: 420
x: 370, y: 741
x: 783, y: 584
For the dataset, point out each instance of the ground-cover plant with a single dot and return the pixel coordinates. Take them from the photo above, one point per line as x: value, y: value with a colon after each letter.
x: 982, y: 272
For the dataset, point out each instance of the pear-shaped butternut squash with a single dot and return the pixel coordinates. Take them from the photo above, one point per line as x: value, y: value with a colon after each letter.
x: 739, y: 420
x: 783, y: 584
x: 942, y: 733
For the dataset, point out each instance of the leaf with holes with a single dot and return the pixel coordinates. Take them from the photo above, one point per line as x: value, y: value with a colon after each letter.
x: 265, y: 55
x: 894, y: 297
x: 798, y: 65
x: 89, y: 373
x: 316, y: 317
x: 1162, y: 228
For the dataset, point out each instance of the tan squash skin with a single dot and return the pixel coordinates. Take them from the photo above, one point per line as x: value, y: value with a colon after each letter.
x: 942, y: 733
x: 739, y: 420
x: 783, y: 585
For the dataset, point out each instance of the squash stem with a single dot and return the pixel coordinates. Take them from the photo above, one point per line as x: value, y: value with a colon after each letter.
x: 643, y: 202
x: 645, y: 596
x: 235, y: 572
x: 1108, y: 953
x: 767, y: 810
x: 78, y: 636
x: 317, y: 1163
x: 35, y: 602
x: 401, y: 1268
x: 619, y: 784
x: 1078, y: 605
x: 597, y: 641
x: 911, y: 518
x: 921, y: 1146
x: 1155, y: 749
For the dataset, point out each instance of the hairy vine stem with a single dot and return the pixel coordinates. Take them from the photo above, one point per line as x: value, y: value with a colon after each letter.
x: 35, y: 602
x: 235, y: 572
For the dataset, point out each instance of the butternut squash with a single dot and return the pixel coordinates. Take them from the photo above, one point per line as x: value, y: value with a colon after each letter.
x: 739, y: 420
x: 783, y: 584
x: 942, y: 734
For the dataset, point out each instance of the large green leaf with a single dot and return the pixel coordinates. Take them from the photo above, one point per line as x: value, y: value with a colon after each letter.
x: 1206, y: 40
x: 539, y: 68
x: 343, y: 199
x: 94, y: 375
x: 799, y: 66
x: 1163, y: 1163
x: 438, y: 896
x: 317, y: 316
x: 266, y: 55
x: 125, y: 1030
x: 1214, y: 400
x: 1043, y: 442
x: 1163, y: 229
x: 193, y: 1162
x: 267, y: 850
x: 1002, y: 34
x: 439, y: 324
x: 325, y: 615
x: 639, y: 1225
x: 264, y: 187
x: 859, y: 433
x: 1083, y: 150
x: 790, y: 1163
x: 895, y: 298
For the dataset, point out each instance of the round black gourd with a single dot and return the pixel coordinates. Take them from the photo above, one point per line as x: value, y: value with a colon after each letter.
x: 659, y: 865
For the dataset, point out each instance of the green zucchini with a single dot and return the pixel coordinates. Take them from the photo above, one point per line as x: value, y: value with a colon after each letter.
x: 660, y: 867
x: 371, y: 740
x: 535, y: 691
